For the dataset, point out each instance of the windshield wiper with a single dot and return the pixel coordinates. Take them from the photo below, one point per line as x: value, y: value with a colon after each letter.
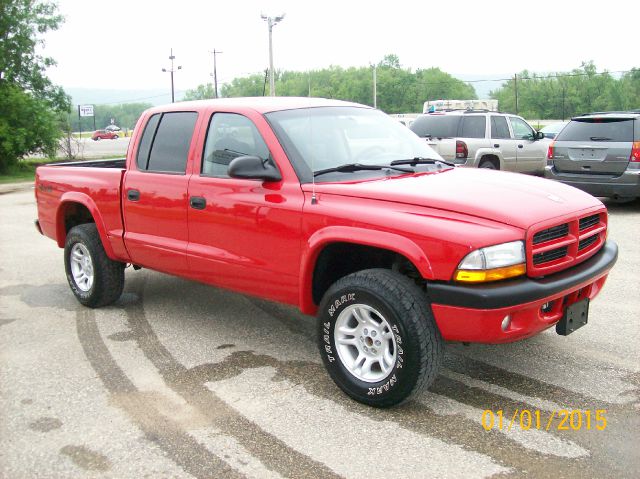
x: 418, y: 160
x: 600, y: 138
x: 351, y: 167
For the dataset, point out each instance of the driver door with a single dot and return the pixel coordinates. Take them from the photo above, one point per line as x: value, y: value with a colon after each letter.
x: 531, y: 154
x: 243, y: 234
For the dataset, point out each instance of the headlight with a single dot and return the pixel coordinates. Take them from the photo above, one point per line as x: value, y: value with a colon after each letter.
x: 492, y: 263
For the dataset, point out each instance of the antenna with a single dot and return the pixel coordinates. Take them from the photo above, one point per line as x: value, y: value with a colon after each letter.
x: 314, y: 198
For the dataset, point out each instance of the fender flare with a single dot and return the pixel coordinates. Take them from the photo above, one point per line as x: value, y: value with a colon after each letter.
x: 360, y: 236
x: 486, y: 152
x: 86, y: 201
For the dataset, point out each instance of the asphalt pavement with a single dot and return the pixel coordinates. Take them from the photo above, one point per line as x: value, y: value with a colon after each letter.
x: 178, y: 379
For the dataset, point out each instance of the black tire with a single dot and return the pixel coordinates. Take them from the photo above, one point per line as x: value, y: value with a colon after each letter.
x: 108, y: 275
x: 407, y: 311
x: 115, y: 137
x: 488, y: 164
x: 97, y: 138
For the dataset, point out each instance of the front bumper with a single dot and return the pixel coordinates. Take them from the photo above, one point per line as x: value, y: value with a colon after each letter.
x: 626, y: 185
x: 476, y: 313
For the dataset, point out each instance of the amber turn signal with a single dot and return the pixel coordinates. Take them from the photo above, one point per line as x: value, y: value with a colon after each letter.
x: 483, y: 276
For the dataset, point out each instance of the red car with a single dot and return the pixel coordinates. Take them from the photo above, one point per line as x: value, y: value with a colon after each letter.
x: 340, y: 210
x: 104, y: 135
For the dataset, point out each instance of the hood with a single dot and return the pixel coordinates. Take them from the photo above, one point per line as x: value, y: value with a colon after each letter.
x: 510, y: 198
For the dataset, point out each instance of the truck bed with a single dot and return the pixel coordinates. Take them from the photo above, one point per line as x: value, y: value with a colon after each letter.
x: 62, y: 187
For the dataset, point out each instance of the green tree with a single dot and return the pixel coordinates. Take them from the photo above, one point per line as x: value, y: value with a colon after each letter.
x: 201, y: 92
x: 399, y: 90
x: 31, y: 105
x: 565, y: 94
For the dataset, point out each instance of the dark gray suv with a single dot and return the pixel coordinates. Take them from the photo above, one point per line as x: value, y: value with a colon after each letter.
x: 600, y: 154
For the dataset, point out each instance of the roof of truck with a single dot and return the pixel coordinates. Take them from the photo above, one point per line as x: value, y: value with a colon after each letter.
x: 260, y: 104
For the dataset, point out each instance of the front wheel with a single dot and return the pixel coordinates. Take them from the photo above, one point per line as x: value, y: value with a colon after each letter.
x: 95, y: 280
x: 377, y: 337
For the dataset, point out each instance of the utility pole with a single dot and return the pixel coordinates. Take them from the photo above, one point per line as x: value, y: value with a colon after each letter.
x: 171, y: 71
x: 215, y: 74
x: 375, y: 87
x: 515, y: 86
x: 271, y: 21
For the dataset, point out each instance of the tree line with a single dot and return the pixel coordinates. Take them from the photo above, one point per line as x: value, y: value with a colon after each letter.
x: 563, y: 95
x: 399, y: 90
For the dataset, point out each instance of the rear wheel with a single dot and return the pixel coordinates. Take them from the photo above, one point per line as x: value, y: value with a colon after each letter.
x: 95, y: 280
x: 377, y: 337
x: 488, y: 164
x: 115, y: 137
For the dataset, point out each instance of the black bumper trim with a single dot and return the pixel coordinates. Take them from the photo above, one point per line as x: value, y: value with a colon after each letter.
x: 525, y: 290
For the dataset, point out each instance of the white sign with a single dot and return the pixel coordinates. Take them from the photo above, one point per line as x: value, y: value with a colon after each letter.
x: 86, y: 110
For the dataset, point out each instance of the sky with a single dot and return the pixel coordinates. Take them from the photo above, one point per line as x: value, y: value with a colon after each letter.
x: 124, y: 44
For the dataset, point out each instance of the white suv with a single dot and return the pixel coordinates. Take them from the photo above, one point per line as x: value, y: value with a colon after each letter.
x: 484, y: 139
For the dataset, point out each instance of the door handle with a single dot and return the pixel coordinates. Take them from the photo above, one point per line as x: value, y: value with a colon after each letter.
x: 197, y: 202
x: 496, y: 145
x: 520, y: 146
x: 133, y: 195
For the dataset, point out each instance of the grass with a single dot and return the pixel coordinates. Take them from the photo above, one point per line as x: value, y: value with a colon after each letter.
x: 25, y: 170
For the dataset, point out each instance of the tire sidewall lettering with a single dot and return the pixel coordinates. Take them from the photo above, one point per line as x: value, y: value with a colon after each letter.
x: 330, y: 314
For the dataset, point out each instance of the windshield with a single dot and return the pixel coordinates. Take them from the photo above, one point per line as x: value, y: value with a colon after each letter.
x: 318, y: 139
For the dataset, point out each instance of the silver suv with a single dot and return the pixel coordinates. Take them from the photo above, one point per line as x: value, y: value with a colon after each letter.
x: 600, y: 154
x: 484, y: 139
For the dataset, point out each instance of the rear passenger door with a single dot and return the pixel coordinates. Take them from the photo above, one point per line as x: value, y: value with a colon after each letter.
x: 501, y: 140
x: 155, y: 193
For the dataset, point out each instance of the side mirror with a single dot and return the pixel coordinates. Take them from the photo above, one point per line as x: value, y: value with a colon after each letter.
x: 253, y: 168
x: 539, y: 135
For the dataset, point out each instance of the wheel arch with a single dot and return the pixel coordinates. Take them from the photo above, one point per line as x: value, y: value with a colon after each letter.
x: 491, y: 156
x: 78, y: 208
x: 366, y: 249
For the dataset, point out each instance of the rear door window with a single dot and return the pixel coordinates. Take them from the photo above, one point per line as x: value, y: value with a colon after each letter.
x: 436, y: 126
x: 598, y: 129
x: 473, y: 127
x: 145, y: 143
x: 167, y: 145
x: 499, y: 128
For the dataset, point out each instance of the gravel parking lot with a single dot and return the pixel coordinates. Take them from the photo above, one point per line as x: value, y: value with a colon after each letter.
x: 180, y: 380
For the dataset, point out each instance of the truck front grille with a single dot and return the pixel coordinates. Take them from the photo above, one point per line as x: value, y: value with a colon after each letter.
x: 554, y: 247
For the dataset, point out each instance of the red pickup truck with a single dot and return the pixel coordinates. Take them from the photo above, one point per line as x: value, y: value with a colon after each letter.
x: 338, y: 209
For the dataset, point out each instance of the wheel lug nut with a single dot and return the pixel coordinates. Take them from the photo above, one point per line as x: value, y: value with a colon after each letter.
x: 378, y: 343
x: 373, y: 333
x: 366, y: 331
x: 373, y: 350
x: 361, y: 339
x: 366, y: 348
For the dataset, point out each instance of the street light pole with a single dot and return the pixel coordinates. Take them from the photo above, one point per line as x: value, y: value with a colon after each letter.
x: 215, y: 74
x: 271, y: 21
x: 171, y: 71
